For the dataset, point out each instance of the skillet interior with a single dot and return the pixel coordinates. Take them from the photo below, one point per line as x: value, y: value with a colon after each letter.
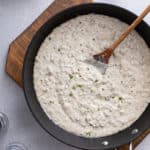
x: 115, y: 140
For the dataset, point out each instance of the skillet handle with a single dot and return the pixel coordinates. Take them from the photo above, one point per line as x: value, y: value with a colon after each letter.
x: 134, y: 142
x: 130, y: 146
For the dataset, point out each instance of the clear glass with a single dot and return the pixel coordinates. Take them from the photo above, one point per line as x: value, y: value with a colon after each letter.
x: 16, y: 146
x: 3, y: 122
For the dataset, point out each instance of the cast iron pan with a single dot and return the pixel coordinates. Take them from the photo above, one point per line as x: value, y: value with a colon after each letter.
x: 113, y: 141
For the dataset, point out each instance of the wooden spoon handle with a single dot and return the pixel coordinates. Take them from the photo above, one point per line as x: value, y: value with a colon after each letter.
x: 130, y: 28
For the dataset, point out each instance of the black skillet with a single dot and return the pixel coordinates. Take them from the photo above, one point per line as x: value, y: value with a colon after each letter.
x: 108, y: 142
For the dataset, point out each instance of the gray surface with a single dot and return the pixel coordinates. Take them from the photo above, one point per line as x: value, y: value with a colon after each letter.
x: 15, y: 16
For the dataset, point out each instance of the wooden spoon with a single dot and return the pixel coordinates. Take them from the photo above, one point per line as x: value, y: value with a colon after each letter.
x: 106, y: 54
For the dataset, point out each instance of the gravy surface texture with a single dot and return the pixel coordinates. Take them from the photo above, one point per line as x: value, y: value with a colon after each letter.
x: 74, y: 94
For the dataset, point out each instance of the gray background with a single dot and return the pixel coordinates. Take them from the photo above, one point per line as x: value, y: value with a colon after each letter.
x: 15, y: 16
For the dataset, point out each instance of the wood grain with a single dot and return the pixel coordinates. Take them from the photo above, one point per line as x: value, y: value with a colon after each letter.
x: 18, y: 47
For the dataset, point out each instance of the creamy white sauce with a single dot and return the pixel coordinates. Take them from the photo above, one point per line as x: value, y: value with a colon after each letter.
x: 74, y: 94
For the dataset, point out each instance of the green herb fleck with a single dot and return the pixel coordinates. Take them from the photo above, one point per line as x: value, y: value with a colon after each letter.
x: 51, y: 102
x: 79, y: 85
x: 71, y: 94
x: 70, y: 76
x: 92, y: 91
x: 120, y: 98
x: 59, y: 50
x: 88, y: 133
x: 73, y: 87
x: 113, y: 97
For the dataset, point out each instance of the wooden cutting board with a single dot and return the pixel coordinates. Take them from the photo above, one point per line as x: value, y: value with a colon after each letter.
x: 18, y: 47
